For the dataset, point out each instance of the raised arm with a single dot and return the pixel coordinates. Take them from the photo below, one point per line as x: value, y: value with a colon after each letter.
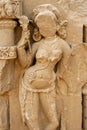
x: 24, y: 54
x: 24, y: 57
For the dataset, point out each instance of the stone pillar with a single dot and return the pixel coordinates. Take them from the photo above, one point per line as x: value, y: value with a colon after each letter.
x: 7, y: 56
x: 9, y: 11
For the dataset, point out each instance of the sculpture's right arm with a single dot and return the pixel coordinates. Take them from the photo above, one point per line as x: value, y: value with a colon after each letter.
x: 26, y: 57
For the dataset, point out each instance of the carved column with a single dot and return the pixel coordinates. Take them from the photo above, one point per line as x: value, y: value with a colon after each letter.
x: 7, y: 55
x: 8, y: 14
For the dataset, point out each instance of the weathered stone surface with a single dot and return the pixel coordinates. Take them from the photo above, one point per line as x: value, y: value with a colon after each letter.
x: 43, y: 64
x: 28, y: 6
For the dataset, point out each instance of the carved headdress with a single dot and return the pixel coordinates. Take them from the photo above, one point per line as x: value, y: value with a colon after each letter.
x: 56, y: 13
x: 46, y: 7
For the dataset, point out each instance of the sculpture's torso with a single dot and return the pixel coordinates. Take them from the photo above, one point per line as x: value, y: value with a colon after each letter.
x: 41, y: 76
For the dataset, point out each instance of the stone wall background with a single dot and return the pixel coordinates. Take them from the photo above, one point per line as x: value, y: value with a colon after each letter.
x: 29, y: 5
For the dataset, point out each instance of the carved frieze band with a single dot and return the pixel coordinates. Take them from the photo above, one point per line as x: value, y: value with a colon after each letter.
x: 7, y: 24
x: 8, y: 52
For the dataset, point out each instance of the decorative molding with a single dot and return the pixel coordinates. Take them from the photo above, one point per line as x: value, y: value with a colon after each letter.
x: 17, y: 7
x: 8, y: 52
x: 7, y: 24
x: 10, y: 8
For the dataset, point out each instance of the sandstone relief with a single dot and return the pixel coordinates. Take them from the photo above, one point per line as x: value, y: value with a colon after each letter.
x: 43, y: 65
x: 38, y: 84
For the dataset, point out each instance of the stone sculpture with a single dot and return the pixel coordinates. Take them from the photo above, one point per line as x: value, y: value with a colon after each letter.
x: 49, y: 50
x: 52, y: 77
x: 38, y: 84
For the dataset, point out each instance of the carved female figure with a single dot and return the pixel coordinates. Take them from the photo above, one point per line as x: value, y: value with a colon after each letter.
x: 38, y: 82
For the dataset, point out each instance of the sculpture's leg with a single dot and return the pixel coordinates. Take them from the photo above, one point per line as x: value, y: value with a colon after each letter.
x: 60, y: 107
x: 32, y: 110
x: 4, y: 113
x: 48, y: 101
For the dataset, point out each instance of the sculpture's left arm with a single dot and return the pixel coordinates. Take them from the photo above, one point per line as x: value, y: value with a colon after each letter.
x: 66, y: 53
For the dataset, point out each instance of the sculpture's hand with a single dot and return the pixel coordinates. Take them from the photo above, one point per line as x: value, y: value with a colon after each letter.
x: 23, y: 20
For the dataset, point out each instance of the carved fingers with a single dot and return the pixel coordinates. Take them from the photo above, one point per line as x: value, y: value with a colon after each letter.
x: 24, y: 21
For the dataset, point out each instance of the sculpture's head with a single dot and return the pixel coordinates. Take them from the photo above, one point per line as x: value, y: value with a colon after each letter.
x: 47, y: 20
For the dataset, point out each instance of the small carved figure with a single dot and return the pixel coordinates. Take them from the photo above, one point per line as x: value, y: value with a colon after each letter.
x: 38, y: 83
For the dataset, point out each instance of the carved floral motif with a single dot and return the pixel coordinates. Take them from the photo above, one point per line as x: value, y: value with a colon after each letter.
x: 10, y: 8
x: 8, y: 53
